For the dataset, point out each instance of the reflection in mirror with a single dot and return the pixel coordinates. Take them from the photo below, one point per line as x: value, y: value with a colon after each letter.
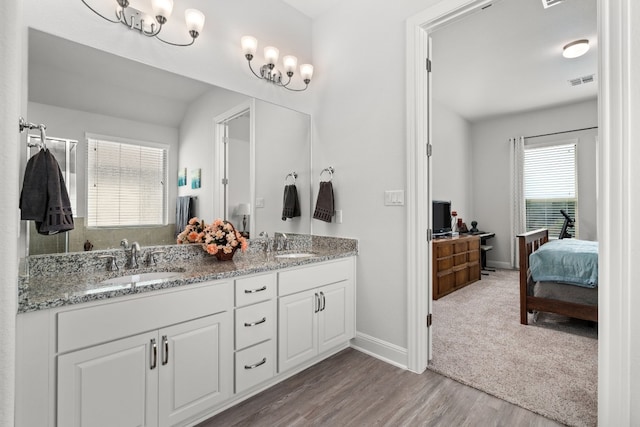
x: 76, y: 90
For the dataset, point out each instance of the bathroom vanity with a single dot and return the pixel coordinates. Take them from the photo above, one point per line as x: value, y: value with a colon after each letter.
x: 182, y: 346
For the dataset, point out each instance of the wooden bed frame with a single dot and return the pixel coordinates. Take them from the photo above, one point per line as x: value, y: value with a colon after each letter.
x: 528, y: 243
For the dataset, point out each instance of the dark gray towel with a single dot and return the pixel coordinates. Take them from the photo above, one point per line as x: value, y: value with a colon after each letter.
x: 324, y: 204
x: 44, y: 196
x: 290, y: 203
x: 184, y: 212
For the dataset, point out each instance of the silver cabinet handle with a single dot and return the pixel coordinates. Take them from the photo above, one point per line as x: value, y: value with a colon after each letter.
x: 260, y: 363
x: 317, y: 303
x: 165, y: 350
x: 248, y: 325
x: 154, y: 354
x: 253, y: 291
x: 324, y: 301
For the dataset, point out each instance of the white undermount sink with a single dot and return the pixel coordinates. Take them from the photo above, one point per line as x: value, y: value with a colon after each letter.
x: 296, y: 255
x: 143, y: 278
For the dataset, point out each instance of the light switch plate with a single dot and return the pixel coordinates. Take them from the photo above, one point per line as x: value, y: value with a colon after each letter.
x: 394, y: 198
x: 339, y: 217
x: 259, y: 202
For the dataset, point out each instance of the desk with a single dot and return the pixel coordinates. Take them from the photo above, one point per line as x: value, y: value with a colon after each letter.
x: 484, y: 248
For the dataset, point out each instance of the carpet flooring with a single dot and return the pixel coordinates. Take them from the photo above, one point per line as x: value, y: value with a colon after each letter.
x: 548, y: 367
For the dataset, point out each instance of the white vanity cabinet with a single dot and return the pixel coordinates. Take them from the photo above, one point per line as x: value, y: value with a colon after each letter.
x: 315, y: 311
x: 255, y: 330
x: 160, y: 359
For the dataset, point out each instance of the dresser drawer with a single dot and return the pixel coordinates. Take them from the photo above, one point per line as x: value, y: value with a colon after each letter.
x: 255, y: 365
x: 255, y: 323
x: 444, y: 250
x: 251, y: 290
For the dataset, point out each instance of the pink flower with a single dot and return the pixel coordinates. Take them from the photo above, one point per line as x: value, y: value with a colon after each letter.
x: 211, y: 249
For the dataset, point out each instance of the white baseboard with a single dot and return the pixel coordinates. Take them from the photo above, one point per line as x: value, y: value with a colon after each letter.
x: 499, y: 264
x: 387, y: 352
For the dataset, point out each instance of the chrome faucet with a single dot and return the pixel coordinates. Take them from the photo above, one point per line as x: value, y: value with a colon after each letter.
x: 132, y: 251
x: 267, y: 242
x: 281, y: 241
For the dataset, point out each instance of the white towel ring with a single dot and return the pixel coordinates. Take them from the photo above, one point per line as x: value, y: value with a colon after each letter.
x: 331, y: 170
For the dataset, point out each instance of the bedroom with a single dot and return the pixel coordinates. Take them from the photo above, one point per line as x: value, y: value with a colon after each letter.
x: 481, y: 99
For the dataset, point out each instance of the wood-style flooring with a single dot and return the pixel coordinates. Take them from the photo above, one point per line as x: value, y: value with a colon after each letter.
x: 354, y: 389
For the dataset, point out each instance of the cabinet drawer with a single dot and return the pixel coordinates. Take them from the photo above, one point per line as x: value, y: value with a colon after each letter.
x: 473, y: 256
x: 255, y: 323
x: 444, y: 263
x: 459, y: 259
x: 474, y: 244
x: 254, y: 365
x: 443, y: 250
x: 98, y: 324
x: 460, y: 247
x: 251, y: 290
x: 309, y: 277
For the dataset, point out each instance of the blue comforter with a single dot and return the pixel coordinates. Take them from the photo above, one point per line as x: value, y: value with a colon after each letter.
x: 567, y: 260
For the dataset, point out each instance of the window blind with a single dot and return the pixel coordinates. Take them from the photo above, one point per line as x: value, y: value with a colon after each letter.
x: 126, y: 184
x: 550, y: 184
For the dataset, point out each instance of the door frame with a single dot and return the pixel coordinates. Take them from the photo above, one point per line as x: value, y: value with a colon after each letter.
x: 616, y: 177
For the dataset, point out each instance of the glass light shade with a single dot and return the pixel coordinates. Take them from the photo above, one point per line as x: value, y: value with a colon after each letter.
x: 194, y: 19
x: 575, y: 49
x: 249, y: 45
x: 162, y: 8
x: 306, y: 71
x: 290, y: 63
x: 271, y: 54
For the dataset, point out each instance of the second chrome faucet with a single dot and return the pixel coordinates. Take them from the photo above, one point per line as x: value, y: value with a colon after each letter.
x: 133, y: 251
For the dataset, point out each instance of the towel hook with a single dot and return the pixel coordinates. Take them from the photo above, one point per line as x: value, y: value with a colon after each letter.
x: 293, y: 175
x: 23, y: 124
x: 330, y: 169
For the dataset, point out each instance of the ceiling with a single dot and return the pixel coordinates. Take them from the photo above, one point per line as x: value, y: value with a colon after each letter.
x: 507, y: 58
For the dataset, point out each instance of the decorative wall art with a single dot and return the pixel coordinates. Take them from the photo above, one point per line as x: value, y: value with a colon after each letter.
x: 195, y: 178
x: 182, y: 177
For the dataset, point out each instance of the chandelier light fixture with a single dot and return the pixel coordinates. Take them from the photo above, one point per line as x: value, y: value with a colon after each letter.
x: 135, y: 19
x: 269, y: 71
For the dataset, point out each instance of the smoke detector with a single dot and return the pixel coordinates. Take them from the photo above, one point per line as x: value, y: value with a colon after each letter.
x: 549, y: 3
x: 582, y: 80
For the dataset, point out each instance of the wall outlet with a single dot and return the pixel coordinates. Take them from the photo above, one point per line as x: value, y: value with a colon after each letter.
x: 394, y: 198
x: 339, y: 217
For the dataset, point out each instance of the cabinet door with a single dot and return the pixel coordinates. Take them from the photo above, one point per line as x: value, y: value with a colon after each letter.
x: 297, y: 329
x: 196, y: 367
x: 113, y: 384
x: 335, y: 318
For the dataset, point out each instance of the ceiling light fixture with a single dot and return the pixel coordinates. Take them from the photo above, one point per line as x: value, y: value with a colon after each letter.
x: 135, y: 19
x: 575, y: 49
x: 268, y: 71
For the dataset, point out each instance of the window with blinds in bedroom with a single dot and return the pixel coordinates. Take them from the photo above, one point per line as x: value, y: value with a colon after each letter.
x: 550, y: 184
x: 126, y: 183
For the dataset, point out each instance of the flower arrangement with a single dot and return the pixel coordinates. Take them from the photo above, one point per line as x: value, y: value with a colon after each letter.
x: 219, y: 237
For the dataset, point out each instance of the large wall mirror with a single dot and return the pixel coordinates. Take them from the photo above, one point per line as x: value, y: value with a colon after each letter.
x: 79, y: 92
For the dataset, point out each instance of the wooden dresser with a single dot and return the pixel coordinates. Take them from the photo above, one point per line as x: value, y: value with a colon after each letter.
x: 456, y: 263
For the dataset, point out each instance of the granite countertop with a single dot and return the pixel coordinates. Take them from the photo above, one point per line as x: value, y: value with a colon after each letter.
x: 64, y: 280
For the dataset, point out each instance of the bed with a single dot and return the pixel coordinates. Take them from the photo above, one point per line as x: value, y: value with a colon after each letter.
x: 552, y: 294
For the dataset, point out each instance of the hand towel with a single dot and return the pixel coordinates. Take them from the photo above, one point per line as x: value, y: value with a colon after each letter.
x: 324, y: 204
x: 184, y: 212
x: 44, y: 197
x: 290, y: 203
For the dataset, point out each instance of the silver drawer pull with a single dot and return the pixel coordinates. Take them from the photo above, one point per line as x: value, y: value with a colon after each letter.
x: 264, y: 319
x: 260, y: 363
x: 253, y: 291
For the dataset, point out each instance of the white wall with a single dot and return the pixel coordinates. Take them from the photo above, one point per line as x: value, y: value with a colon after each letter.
x: 359, y: 122
x: 451, y: 161
x: 491, y: 168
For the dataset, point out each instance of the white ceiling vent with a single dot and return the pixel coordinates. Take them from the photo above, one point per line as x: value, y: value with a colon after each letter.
x: 582, y: 80
x: 549, y: 3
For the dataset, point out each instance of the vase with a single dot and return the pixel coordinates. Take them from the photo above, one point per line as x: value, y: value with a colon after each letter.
x: 222, y: 256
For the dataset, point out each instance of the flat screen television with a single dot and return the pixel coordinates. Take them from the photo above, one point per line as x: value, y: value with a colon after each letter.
x: 441, y: 218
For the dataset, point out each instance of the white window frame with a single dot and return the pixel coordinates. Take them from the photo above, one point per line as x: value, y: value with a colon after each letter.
x: 135, y: 142
x: 553, y: 233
